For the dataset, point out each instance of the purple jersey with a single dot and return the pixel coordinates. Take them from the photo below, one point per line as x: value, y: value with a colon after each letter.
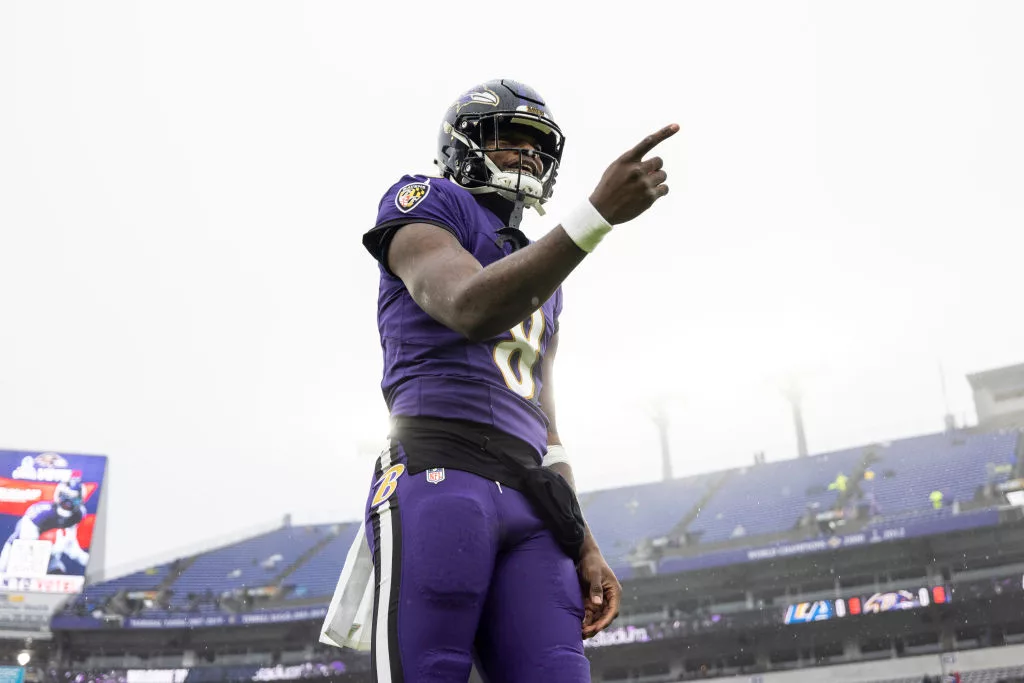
x: 44, y: 516
x: 433, y: 371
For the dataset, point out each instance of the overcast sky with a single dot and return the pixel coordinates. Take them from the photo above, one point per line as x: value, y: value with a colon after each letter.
x: 183, y: 186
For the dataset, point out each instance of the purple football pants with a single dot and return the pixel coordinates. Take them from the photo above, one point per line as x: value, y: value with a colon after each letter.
x: 465, y: 571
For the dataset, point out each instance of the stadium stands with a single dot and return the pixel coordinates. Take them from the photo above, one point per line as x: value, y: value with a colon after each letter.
x: 318, y: 577
x: 146, y: 580
x: 303, y: 561
x: 252, y: 563
x: 1000, y: 675
x: 908, y: 471
x: 252, y: 610
x: 743, y: 506
x: 623, y: 517
x: 772, y: 497
x: 1004, y: 675
x: 896, y: 477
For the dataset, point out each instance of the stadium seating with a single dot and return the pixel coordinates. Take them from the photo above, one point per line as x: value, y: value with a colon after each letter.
x: 772, y: 497
x: 909, y: 470
x: 303, y: 562
x: 1003, y: 675
x: 319, y: 576
x: 148, y: 579
x: 898, y: 476
x: 252, y: 563
x: 622, y: 517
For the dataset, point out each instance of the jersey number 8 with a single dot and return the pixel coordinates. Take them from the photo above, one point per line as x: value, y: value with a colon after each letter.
x: 516, y: 357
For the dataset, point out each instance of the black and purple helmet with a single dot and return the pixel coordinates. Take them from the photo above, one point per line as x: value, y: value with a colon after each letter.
x: 473, y: 125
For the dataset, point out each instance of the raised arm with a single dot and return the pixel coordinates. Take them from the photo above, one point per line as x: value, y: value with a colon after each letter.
x: 479, y: 303
x: 452, y: 287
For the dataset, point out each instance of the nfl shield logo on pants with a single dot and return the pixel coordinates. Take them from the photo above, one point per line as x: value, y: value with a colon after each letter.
x: 435, y: 475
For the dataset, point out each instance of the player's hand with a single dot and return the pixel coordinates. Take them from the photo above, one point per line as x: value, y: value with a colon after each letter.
x: 602, y: 593
x: 631, y: 185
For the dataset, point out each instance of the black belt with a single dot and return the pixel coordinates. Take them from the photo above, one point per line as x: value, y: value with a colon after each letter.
x: 487, y: 452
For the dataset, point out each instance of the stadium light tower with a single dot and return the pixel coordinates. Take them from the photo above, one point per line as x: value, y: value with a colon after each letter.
x: 660, y: 417
x: 947, y: 418
x: 793, y: 392
x: 657, y: 409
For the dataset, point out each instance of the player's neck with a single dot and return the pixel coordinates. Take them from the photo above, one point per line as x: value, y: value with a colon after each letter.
x: 498, y: 205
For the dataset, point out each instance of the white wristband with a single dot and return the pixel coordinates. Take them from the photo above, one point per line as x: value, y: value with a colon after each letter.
x: 555, y: 455
x: 585, y: 226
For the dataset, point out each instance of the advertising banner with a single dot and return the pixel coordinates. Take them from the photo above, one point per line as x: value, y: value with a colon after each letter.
x: 48, y: 507
x: 880, y: 533
x: 622, y: 635
x: 876, y: 603
x: 11, y: 674
x: 72, y: 622
x: 217, y: 674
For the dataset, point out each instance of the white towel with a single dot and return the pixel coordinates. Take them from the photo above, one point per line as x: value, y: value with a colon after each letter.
x: 349, y: 621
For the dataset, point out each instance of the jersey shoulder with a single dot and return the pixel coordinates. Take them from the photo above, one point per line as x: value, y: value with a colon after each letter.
x: 419, y: 199
x: 412, y: 190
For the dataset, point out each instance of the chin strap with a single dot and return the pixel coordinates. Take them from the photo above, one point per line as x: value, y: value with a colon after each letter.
x: 511, y: 233
x: 516, y: 216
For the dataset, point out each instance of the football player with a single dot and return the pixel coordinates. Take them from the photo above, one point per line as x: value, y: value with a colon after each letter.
x: 474, y: 553
x: 62, y: 516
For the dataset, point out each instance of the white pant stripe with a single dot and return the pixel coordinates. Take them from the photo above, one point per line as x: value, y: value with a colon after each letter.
x: 381, y: 643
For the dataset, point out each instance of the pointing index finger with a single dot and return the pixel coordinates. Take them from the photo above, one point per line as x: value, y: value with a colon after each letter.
x: 651, y: 141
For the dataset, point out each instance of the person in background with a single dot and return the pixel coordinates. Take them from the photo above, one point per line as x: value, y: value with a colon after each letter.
x: 840, y: 483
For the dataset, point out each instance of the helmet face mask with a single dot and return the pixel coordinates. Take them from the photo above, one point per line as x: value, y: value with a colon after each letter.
x: 478, y: 124
x: 68, y: 497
